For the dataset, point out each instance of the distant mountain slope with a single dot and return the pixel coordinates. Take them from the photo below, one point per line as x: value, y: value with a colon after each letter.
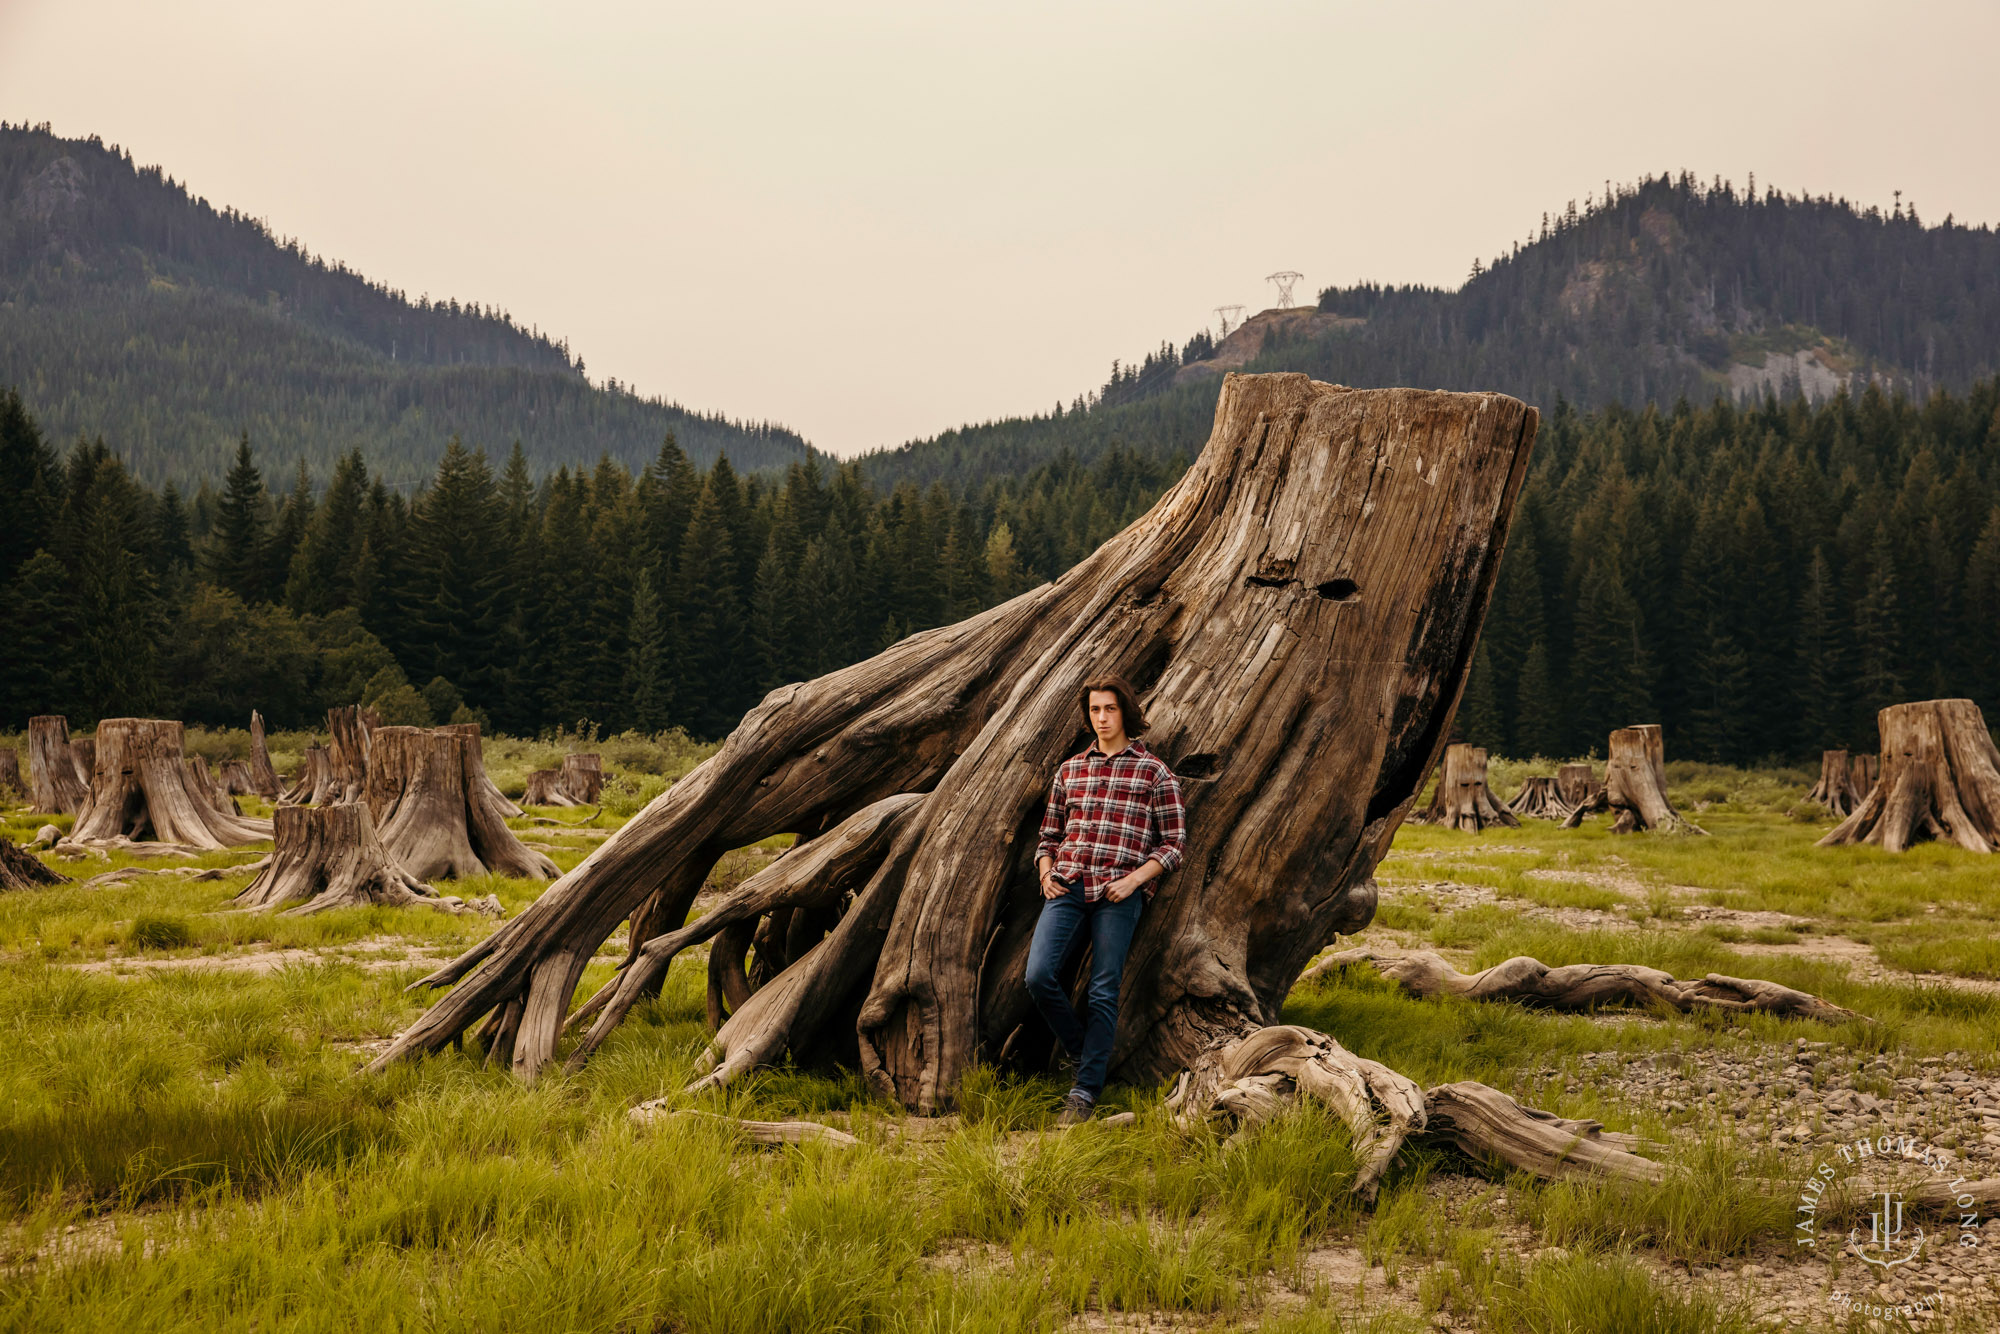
x: 131, y: 309
x: 1668, y: 289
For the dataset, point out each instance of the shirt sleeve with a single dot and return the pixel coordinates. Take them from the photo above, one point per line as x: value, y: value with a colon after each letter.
x: 1171, y: 819
x: 1052, y: 820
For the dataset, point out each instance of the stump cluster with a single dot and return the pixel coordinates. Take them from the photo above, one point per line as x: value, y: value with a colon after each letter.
x: 146, y: 786
x: 1940, y: 779
x: 1462, y: 800
x: 1299, y: 614
x: 1635, y: 786
x: 59, y: 788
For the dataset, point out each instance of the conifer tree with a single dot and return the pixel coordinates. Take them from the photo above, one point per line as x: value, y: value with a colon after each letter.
x: 1538, y: 712
x: 30, y: 474
x: 712, y: 675
x: 648, y: 681
x: 38, y: 625
x: 1612, y: 672
x: 1878, y: 680
x: 237, y: 542
x: 314, y: 583
x: 1478, y: 719
x: 452, y: 593
x: 294, y: 518
x: 1821, y: 656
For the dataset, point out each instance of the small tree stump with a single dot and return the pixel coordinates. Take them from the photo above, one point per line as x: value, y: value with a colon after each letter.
x: 1575, y: 783
x: 350, y: 728
x: 427, y: 790
x: 237, y: 779
x: 10, y: 772
x: 263, y: 778
x: 145, y: 785
x: 1635, y: 785
x: 542, y: 789
x: 1539, y: 799
x: 1861, y: 773
x: 58, y: 790
x: 329, y: 857
x: 1940, y: 779
x: 1835, y: 789
x: 21, y: 869
x: 1462, y: 800
x: 583, y: 779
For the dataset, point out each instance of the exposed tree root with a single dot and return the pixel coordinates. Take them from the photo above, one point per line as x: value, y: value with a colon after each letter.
x: 1539, y: 799
x: 757, y: 1132
x: 1585, y: 986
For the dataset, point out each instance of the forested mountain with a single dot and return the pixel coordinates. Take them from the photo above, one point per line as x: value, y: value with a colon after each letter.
x: 1758, y: 579
x: 1655, y: 292
x: 136, y: 312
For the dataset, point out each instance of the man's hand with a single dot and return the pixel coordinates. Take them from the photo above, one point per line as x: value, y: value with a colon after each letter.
x: 1050, y: 889
x: 1123, y: 888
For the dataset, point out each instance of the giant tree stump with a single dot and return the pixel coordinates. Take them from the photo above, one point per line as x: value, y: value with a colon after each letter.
x: 1575, y: 783
x: 428, y: 793
x: 1539, y: 799
x: 1462, y: 801
x: 329, y: 857
x: 1299, y: 614
x: 21, y: 869
x: 11, y: 784
x: 58, y: 790
x: 263, y: 778
x: 1940, y: 779
x: 1835, y: 789
x: 145, y: 788
x: 1635, y: 786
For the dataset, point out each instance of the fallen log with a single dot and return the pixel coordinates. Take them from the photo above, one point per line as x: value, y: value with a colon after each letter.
x: 329, y: 857
x: 1635, y: 786
x: 58, y: 790
x: 145, y: 787
x: 263, y: 778
x: 1539, y: 799
x: 1462, y: 801
x: 1835, y: 789
x: 757, y: 1132
x: 21, y: 869
x: 1584, y: 986
x: 1299, y: 613
x: 1940, y: 779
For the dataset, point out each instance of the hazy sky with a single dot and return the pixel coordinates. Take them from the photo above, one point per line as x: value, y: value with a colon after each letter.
x: 874, y: 222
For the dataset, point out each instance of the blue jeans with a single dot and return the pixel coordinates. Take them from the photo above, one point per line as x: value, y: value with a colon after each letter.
x: 1110, y: 926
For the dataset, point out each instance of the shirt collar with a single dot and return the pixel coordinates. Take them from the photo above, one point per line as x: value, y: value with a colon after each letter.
x: 1133, y: 746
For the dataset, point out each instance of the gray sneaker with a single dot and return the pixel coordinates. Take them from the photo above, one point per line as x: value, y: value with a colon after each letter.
x: 1075, y: 1111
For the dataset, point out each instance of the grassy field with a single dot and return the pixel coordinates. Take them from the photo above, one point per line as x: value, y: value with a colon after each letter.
x: 187, y: 1145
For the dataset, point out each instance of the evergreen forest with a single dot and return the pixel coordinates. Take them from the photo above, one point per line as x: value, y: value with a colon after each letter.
x: 1758, y: 578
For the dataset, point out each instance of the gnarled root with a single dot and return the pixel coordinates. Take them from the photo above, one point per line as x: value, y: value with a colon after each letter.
x: 1584, y: 986
x: 1253, y: 1078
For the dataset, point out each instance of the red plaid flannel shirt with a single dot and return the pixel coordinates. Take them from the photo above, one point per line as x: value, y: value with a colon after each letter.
x: 1109, y: 814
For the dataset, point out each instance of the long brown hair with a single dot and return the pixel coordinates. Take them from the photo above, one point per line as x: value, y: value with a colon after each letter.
x: 1128, y: 701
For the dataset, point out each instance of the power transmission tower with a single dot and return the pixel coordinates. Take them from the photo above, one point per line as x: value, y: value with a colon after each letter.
x: 1231, y: 316
x: 1284, y: 278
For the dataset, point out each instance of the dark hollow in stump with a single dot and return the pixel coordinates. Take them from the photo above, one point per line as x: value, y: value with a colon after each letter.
x: 428, y: 793
x: 10, y: 773
x: 1635, y: 785
x: 1940, y: 779
x: 583, y: 779
x: 1861, y: 773
x: 1575, y: 783
x: 58, y: 790
x: 21, y: 869
x: 1298, y: 612
x: 237, y: 780
x: 329, y: 857
x: 145, y: 786
x: 1585, y: 986
x: 1462, y: 800
x: 263, y: 778
x: 1539, y: 799
x: 1835, y: 789
x: 542, y: 789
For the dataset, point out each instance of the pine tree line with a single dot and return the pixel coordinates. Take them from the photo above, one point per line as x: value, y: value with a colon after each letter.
x: 673, y: 597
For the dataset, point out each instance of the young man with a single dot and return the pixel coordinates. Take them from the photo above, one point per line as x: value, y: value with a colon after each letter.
x: 1114, y: 825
